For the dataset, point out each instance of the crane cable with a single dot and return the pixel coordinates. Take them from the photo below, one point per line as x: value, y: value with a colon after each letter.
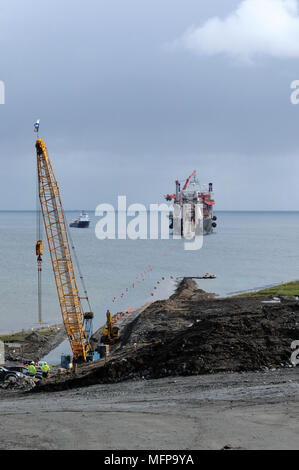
x: 39, y: 230
x: 78, y: 268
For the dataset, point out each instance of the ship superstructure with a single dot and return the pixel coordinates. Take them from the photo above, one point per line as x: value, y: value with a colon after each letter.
x: 192, y: 204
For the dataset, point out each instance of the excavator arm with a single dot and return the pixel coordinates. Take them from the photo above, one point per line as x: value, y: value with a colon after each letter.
x: 110, y: 333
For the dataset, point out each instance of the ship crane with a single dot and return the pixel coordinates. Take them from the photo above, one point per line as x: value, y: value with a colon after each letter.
x: 177, y: 196
x: 73, y: 316
x: 188, y: 180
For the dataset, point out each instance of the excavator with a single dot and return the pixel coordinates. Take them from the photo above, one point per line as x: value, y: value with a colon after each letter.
x: 110, y: 333
x: 78, y: 324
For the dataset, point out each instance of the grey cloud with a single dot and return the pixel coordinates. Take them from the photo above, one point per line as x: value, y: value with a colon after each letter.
x: 122, y: 115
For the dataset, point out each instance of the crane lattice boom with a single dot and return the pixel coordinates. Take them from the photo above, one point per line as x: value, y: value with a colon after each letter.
x: 56, y: 232
x: 188, y: 180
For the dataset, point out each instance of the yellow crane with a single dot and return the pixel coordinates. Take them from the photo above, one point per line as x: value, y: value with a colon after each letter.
x: 59, y: 247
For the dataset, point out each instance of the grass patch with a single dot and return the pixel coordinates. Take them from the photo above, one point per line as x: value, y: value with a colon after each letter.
x: 20, y: 336
x: 47, y: 332
x: 14, y: 338
x: 290, y: 289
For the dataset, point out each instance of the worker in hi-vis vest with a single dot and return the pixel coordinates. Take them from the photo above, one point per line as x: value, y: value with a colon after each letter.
x: 32, y: 370
x: 45, y: 370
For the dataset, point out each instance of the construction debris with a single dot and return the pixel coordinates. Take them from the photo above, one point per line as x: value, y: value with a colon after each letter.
x: 13, y: 383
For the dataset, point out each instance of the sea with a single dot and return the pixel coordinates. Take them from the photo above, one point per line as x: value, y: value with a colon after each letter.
x: 247, y: 251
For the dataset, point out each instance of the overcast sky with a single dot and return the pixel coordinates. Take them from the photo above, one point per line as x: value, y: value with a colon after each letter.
x: 134, y: 94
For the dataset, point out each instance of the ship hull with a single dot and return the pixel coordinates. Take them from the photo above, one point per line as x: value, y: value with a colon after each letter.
x: 207, y: 226
x: 81, y: 224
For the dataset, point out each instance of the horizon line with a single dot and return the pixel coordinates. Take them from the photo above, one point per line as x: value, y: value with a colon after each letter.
x: 216, y: 210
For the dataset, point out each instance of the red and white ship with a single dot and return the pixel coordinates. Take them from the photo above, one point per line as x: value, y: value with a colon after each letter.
x: 193, y: 195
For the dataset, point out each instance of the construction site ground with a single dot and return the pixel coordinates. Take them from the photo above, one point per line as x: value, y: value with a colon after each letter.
x: 255, y: 410
x: 191, y: 372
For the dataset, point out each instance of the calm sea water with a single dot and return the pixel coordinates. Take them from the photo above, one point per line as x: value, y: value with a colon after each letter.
x: 248, y: 250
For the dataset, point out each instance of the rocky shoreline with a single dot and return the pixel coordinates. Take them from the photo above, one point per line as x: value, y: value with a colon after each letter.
x: 32, y: 345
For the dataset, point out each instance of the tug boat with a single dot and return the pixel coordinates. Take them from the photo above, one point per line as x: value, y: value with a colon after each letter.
x: 82, y: 222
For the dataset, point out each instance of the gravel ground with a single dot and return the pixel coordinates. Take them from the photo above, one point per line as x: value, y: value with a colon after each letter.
x: 244, y: 410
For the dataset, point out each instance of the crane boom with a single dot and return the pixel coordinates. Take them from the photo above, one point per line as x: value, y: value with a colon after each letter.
x: 59, y: 247
x: 188, y: 180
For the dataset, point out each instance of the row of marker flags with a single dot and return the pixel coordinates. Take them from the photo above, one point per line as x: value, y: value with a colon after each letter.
x: 139, y: 278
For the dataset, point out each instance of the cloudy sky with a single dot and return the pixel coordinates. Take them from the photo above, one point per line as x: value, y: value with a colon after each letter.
x: 133, y: 94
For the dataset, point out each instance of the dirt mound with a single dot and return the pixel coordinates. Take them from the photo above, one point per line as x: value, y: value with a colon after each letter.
x: 165, y: 317
x: 188, y: 289
x: 215, y: 336
x: 34, y: 337
x: 187, y: 336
